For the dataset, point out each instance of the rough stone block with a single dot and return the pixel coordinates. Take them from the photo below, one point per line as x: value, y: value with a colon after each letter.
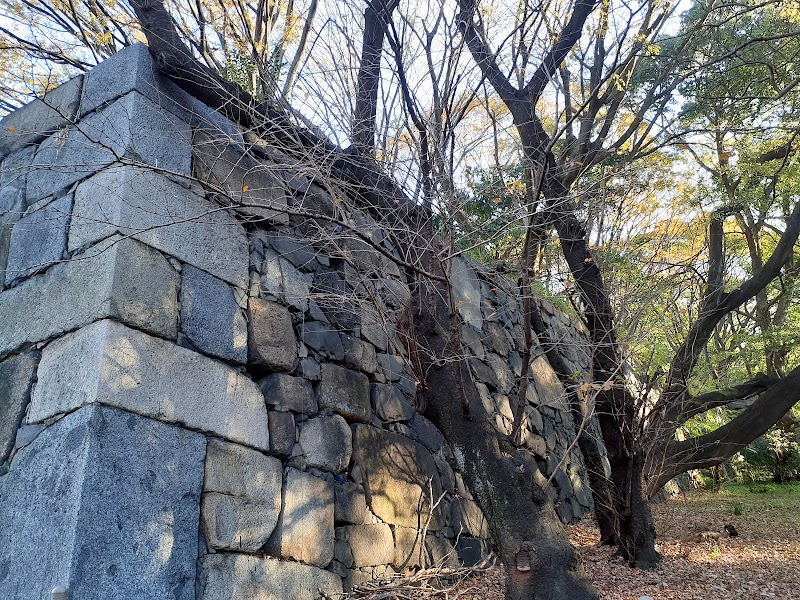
x: 399, y: 476
x: 322, y: 338
x: 227, y: 576
x: 237, y: 524
x: 282, y: 433
x: 38, y: 119
x: 327, y: 443
x: 467, y: 293
x: 39, y: 239
x: 408, y: 550
x: 251, y: 187
x: 112, y: 364
x: 373, y: 328
x: 132, y: 127
x: 242, y: 472
x: 287, y: 393
x: 548, y: 387
x: 359, y: 354
x: 149, y: 207
x: 16, y: 378
x: 124, y: 280
x: 272, y: 344
x: 345, y: 392
x: 441, y: 552
x: 210, y: 317
x: 390, y: 404
x: 371, y: 545
x: 305, y: 527
x: 351, y: 503
x: 471, y: 551
x: 467, y: 519
x: 391, y: 366
x: 105, y: 503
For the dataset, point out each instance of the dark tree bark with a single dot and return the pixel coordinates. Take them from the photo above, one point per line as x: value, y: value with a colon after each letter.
x: 376, y: 15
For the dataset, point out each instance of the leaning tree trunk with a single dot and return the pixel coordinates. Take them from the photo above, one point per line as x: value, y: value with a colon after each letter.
x: 540, y: 562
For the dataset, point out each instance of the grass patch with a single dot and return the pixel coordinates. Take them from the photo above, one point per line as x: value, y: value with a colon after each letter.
x: 743, y: 497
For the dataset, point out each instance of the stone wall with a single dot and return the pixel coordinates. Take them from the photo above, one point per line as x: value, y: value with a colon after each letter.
x: 204, y: 394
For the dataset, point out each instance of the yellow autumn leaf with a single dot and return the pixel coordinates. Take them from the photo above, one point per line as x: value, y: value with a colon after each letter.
x: 245, y: 188
x: 11, y: 129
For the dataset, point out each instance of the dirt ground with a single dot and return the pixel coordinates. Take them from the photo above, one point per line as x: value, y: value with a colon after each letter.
x: 763, y: 561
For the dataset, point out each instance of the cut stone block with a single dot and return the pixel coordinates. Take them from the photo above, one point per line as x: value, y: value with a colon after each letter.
x: 132, y: 127
x: 398, y: 473
x: 359, y: 354
x: 242, y: 472
x: 16, y: 378
x: 242, y: 497
x: 227, y: 576
x: 345, y: 392
x: 121, y: 279
x: 112, y: 364
x: 133, y: 69
x: 250, y: 186
x: 305, y: 528
x: 39, y: 239
x: 327, y: 443
x: 105, y: 503
x: 210, y: 317
x: 271, y: 339
x: 38, y: 119
x: 237, y: 524
x: 149, y: 207
x: 371, y: 545
x: 466, y: 293
x: 287, y: 393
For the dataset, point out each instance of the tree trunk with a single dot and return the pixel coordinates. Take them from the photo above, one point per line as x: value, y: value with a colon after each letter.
x: 637, y: 533
x: 540, y: 562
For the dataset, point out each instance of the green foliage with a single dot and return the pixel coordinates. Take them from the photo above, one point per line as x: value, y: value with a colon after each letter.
x: 775, y: 455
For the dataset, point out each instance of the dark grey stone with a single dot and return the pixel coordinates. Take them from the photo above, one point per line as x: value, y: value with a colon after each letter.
x: 466, y: 293
x: 287, y: 393
x: 107, y: 504
x: 426, y: 433
x: 359, y: 354
x: 309, y: 368
x: 483, y: 372
x: 38, y: 119
x: 237, y: 179
x: 390, y: 404
x: 296, y: 250
x: 346, y: 392
x: 16, y: 378
x: 472, y: 339
x: 39, y: 239
x: 471, y: 551
x: 322, y: 338
x: 373, y: 329
x: 391, y: 365
x: 210, y: 317
x: 351, y: 503
x: 281, y: 433
x: 336, y: 300
x: 272, y: 345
